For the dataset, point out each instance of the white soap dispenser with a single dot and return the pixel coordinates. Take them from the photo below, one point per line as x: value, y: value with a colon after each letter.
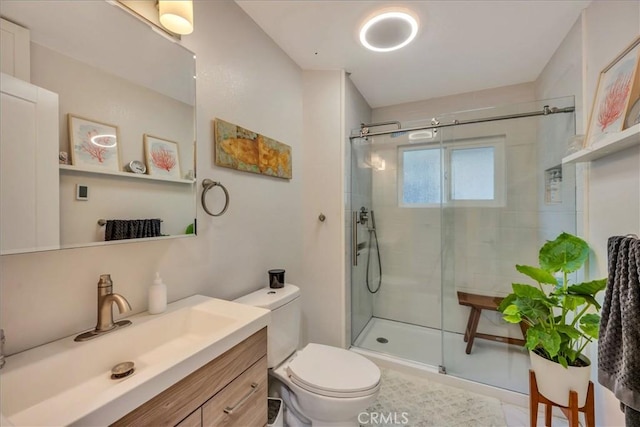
x: 157, y: 296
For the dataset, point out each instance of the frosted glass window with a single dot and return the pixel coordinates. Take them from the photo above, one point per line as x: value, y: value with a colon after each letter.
x: 472, y: 173
x: 421, y: 176
x: 466, y: 172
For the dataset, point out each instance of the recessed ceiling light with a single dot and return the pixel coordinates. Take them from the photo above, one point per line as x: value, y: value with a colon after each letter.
x: 388, y: 31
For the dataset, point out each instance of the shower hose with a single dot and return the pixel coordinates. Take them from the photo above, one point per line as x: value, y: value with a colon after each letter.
x: 374, y: 235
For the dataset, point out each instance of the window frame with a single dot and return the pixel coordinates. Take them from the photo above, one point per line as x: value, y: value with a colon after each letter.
x: 496, y: 142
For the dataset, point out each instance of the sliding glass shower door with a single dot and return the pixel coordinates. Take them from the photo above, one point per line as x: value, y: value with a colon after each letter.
x: 440, y: 217
x: 507, y: 192
x: 396, y: 284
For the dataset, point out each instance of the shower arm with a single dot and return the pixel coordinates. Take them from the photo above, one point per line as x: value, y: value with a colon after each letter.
x: 546, y: 111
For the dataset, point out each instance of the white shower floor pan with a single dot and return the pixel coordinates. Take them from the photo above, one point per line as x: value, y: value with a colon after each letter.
x: 496, y: 364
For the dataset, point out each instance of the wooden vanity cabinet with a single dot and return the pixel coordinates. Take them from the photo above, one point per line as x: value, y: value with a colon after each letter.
x: 229, y: 391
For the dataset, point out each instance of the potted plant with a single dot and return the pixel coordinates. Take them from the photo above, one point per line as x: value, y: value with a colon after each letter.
x: 562, y: 318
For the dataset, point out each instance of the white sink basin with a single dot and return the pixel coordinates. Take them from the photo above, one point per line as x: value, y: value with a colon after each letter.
x: 67, y: 382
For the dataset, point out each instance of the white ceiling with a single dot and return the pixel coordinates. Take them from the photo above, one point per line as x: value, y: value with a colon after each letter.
x: 462, y: 46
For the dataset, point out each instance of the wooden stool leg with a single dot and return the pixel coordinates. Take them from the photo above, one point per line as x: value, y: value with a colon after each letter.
x: 475, y: 318
x: 533, y: 399
x: 469, y: 323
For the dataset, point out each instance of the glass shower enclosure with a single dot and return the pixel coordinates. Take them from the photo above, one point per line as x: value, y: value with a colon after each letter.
x: 445, y: 207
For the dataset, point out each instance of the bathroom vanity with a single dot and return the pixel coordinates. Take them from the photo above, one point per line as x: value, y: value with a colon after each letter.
x: 201, y: 362
x: 230, y: 390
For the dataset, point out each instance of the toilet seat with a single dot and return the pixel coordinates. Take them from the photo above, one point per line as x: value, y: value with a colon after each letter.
x: 334, y: 372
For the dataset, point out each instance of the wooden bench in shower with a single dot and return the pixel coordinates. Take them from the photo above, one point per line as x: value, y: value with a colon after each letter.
x: 477, y: 304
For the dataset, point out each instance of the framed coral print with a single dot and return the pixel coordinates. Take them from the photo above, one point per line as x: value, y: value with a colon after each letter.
x: 93, y: 144
x: 162, y: 157
x: 618, y: 88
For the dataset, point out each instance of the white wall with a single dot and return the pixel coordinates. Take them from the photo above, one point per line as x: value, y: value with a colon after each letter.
x: 613, y: 182
x: 324, y: 298
x: 245, y: 79
x: 608, y: 201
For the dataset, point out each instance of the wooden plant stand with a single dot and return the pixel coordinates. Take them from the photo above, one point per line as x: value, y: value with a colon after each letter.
x: 571, y: 412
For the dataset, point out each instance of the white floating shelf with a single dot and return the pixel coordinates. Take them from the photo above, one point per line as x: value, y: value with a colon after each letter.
x: 71, y: 168
x: 608, y: 145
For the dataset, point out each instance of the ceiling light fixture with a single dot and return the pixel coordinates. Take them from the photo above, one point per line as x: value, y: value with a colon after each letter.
x: 388, y: 31
x: 177, y: 16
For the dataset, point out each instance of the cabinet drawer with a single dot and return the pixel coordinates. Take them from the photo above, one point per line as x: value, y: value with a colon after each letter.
x: 242, y: 403
x: 181, y: 399
x: 193, y: 420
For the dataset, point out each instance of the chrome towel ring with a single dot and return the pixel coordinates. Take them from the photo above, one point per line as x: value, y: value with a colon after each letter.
x: 207, y: 185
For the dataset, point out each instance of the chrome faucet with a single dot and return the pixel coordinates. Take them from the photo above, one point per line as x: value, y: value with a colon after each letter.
x: 106, y: 298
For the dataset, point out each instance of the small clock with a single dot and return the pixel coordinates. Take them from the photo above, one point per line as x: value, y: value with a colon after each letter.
x: 136, y: 166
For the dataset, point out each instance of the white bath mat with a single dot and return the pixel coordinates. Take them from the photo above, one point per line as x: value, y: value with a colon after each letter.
x: 406, y: 400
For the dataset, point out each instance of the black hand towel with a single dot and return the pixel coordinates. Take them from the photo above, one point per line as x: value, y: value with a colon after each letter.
x: 119, y: 229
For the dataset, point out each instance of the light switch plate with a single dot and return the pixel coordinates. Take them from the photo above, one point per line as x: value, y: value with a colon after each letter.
x: 82, y: 192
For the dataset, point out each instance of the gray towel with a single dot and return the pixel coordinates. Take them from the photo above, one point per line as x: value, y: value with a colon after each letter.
x: 619, y: 342
x: 119, y: 229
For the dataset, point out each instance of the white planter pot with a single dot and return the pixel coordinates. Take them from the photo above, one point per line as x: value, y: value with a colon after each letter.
x: 555, y: 381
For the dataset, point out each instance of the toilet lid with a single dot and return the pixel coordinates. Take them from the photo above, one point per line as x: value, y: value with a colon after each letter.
x: 333, y: 371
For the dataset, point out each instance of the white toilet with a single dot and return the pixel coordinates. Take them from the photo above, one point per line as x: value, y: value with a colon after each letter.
x: 320, y: 385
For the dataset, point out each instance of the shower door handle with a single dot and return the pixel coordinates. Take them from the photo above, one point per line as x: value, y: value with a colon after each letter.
x: 354, y: 237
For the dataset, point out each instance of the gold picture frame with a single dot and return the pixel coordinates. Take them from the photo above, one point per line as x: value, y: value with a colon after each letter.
x: 618, y: 88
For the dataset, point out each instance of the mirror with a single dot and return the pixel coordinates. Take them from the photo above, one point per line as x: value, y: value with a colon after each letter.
x: 112, y: 73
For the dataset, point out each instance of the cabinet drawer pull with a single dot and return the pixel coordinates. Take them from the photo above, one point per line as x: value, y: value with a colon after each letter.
x: 229, y: 409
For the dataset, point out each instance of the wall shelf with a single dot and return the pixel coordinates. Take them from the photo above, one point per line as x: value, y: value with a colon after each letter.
x: 610, y: 144
x: 75, y: 169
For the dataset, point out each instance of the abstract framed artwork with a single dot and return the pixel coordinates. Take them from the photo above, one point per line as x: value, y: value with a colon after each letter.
x: 618, y: 88
x: 93, y: 144
x: 241, y: 149
x: 162, y: 157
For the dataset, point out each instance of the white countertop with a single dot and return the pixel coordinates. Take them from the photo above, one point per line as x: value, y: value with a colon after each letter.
x: 68, y: 383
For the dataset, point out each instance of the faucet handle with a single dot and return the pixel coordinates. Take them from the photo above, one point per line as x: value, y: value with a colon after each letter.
x: 105, y: 281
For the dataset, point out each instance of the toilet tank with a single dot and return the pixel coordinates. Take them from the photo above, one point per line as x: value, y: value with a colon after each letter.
x: 283, y: 332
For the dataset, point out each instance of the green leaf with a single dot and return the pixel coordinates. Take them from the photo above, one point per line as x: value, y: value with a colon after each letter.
x: 550, y: 342
x: 537, y: 274
x: 531, y: 308
x: 533, y: 337
x: 528, y: 291
x: 506, y: 302
x: 588, y: 288
x: 566, y: 253
x: 570, y: 354
x: 563, y: 361
x: 590, y: 325
x: 591, y: 300
x: 512, y: 314
x: 572, y: 302
x: 569, y: 330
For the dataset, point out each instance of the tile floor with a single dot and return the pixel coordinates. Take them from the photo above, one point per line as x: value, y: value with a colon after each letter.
x: 407, y: 400
x: 491, y: 363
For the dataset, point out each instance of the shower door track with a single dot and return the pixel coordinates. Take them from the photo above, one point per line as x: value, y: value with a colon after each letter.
x: 546, y: 111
